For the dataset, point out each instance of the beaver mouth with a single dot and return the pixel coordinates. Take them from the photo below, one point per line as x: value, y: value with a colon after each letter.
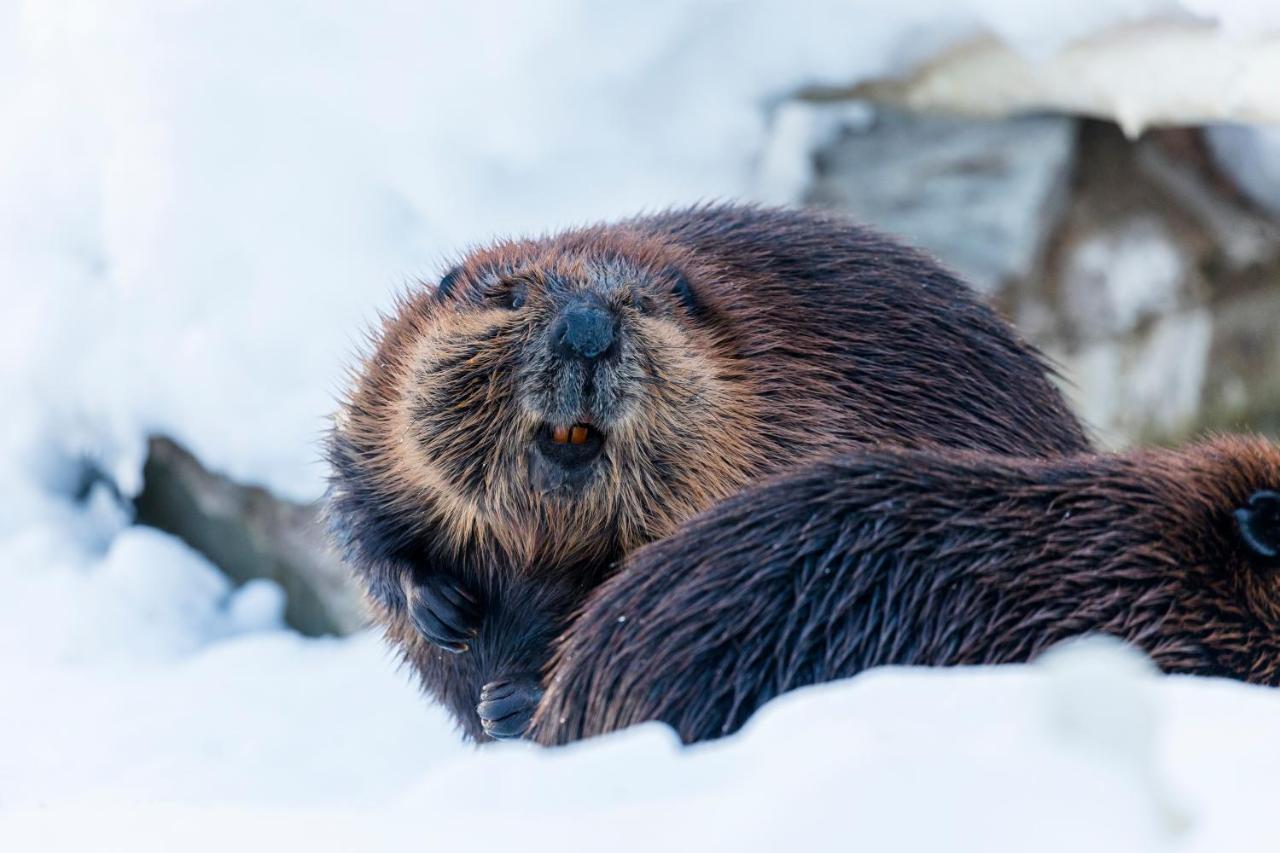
x: 570, y: 447
x: 561, y: 459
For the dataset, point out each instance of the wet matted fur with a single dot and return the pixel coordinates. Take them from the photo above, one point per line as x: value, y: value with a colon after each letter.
x: 930, y: 558
x: 743, y: 341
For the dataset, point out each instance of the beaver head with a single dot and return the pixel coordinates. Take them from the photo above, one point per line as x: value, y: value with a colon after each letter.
x: 565, y: 399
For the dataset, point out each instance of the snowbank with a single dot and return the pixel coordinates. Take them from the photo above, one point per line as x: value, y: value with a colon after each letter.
x: 1159, y: 73
x: 130, y: 665
x: 1087, y: 752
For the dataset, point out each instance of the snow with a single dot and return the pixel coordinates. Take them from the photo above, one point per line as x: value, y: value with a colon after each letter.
x: 203, y: 204
x: 132, y: 666
x: 1087, y: 751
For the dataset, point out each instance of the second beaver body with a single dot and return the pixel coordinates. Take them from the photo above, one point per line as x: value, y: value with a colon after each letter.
x: 930, y: 558
x: 554, y: 404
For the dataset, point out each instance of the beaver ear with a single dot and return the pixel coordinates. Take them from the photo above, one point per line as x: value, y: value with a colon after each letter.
x: 1259, y: 525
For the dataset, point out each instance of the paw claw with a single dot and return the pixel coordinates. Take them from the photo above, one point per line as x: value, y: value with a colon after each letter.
x: 444, y: 613
x: 507, y: 705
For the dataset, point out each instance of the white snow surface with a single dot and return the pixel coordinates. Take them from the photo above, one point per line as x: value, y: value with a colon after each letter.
x: 201, y: 207
x: 1085, y: 751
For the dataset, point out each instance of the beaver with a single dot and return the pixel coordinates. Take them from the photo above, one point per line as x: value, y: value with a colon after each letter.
x: 926, y: 557
x: 554, y: 403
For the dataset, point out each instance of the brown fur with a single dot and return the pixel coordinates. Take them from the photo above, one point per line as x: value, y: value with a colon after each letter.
x: 910, y: 557
x: 804, y: 336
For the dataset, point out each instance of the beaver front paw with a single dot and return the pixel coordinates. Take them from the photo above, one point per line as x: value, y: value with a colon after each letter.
x: 444, y: 612
x: 1259, y: 523
x: 507, y: 705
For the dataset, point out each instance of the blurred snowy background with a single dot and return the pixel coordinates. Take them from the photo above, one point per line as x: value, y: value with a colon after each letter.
x: 203, y: 205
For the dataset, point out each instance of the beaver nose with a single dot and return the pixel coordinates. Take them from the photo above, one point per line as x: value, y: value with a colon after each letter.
x: 583, y: 330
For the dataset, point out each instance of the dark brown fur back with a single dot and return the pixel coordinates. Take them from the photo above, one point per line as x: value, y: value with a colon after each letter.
x: 931, y: 558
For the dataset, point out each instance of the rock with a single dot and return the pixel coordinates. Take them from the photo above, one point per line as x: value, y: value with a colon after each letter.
x: 980, y: 195
x: 1251, y: 157
x: 1118, y: 278
x: 1144, y: 386
x: 1241, y: 238
x: 1137, y: 290
x: 249, y: 533
x: 1147, y: 268
x: 784, y: 168
x: 1242, y: 389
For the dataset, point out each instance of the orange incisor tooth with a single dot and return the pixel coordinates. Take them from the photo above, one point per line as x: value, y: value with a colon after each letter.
x: 579, y: 435
x: 560, y: 435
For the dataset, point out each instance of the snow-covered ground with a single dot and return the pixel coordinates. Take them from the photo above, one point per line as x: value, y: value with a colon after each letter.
x: 202, y: 205
x: 1083, y: 752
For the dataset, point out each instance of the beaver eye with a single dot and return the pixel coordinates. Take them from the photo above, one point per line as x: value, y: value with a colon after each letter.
x: 511, y: 297
x: 642, y: 302
x: 683, y: 291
